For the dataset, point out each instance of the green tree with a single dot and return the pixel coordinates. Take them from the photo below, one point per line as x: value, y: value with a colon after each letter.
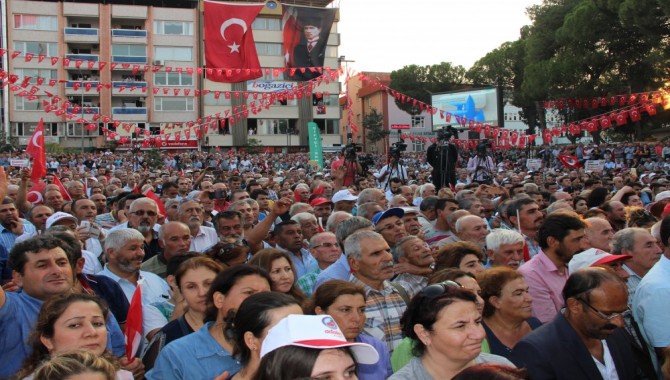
x: 373, y: 124
x: 420, y: 82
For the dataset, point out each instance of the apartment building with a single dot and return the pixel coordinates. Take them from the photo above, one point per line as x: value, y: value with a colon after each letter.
x: 137, y: 63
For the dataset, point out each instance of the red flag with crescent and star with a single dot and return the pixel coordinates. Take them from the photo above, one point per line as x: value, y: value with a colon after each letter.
x: 230, y: 50
x: 37, y: 151
x: 569, y: 161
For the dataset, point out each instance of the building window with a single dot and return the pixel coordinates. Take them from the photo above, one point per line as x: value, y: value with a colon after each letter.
x: 273, y: 126
x: 172, y: 104
x: 211, y: 100
x: 417, y: 145
x: 265, y: 23
x: 162, y: 78
x: 35, y: 73
x: 418, y: 122
x: 129, y: 50
x: 328, y: 126
x: 267, y: 48
x: 27, y: 129
x: 171, y: 53
x: 175, y: 28
x: 49, y: 49
x: 35, y: 22
x: 23, y: 104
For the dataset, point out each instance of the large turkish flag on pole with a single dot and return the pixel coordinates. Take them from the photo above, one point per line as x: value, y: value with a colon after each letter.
x: 230, y: 50
x: 37, y: 151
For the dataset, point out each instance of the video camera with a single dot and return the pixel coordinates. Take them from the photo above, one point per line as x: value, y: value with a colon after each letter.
x: 446, y: 133
x: 351, y: 149
x: 482, y: 147
x: 397, y: 148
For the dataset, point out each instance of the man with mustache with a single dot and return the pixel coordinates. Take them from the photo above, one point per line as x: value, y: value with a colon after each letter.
x: 175, y: 239
x: 587, y: 340
x: 505, y: 248
x: 290, y: 239
x: 142, y: 216
x: 560, y: 238
x: 11, y: 226
x: 371, y: 262
x: 525, y: 216
x: 191, y: 213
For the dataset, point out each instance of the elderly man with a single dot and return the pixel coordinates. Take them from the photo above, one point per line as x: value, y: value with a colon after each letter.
x: 322, y: 209
x: 468, y: 227
x: 124, y: 252
x: 202, y: 237
x: 75, y: 189
x: 54, y: 199
x: 586, y: 341
x: 598, y: 235
x: 371, y: 265
x: 505, y: 248
x: 411, y: 221
x: 142, y: 216
x: 308, y: 224
x: 645, y: 252
x: 415, y: 251
x: 326, y: 250
x: 472, y: 205
x: 560, y: 237
x: 229, y: 224
x: 174, y: 239
x: 373, y: 195
x: 389, y: 224
x: 368, y: 210
x: 246, y: 211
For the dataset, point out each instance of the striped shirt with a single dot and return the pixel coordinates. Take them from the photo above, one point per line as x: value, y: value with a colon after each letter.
x: 383, y: 310
x: 8, y: 238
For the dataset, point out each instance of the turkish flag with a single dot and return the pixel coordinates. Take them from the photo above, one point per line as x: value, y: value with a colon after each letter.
x: 37, y: 151
x: 63, y: 190
x: 569, y: 161
x: 229, y: 42
x: 133, y: 332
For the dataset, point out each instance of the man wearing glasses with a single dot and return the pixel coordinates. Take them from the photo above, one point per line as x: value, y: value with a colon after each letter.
x: 325, y: 249
x: 586, y: 340
x: 142, y: 216
x: 389, y: 224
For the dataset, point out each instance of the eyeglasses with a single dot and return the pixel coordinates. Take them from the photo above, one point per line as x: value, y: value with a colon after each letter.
x: 398, y: 223
x: 326, y: 245
x: 435, y: 290
x: 602, y: 315
x: 142, y: 212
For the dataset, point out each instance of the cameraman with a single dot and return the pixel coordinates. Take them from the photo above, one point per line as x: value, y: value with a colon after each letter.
x: 481, y: 166
x: 394, y: 169
x: 352, y: 167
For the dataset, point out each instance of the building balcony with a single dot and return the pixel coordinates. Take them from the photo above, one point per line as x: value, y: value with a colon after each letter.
x: 85, y: 111
x: 126, y: 36
x: 76, y: 87
x: 127, y: 59
x: 126, y: 88
x: 138, y: 114
x: 84, y: 35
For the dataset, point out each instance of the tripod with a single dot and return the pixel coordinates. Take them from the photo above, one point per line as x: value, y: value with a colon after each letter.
x: 443, y: 156
x: 394, y: 164
x: 483, y: 173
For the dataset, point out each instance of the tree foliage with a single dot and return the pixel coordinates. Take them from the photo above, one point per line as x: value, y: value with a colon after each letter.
x: 373, y: 124
x: 419, y: 82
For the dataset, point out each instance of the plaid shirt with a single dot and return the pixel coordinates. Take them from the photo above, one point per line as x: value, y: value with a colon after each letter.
x: 383, y: 310
x: 412, y: 283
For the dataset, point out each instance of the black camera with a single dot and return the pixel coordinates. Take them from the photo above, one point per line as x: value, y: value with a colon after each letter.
x: 396, y: 149
x: 350, y: 150
x: 482, y: 147
x: 446, y: 133
x: 367, y: 162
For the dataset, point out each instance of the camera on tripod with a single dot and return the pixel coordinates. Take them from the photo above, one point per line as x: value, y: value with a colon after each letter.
x: 396, y: 149
x: 445, y: 134
x: 351, y: 149
x: 482, y: 147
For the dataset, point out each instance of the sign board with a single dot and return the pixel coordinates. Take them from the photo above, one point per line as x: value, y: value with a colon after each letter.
x: 19, y: 163
x: 270, y: 86
x: 315, y: 148
x: 400, y: 126
x: 534, y: 164
x: 594, y: 165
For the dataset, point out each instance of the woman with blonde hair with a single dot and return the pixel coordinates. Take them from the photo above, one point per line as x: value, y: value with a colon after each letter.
x: 77, y: 365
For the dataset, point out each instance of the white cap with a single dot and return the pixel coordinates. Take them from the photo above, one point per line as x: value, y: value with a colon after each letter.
x: 343, y: 195
x: 314, y: 331
x: 593, y: 257
x: 58, y: 216
x: 662, y: 195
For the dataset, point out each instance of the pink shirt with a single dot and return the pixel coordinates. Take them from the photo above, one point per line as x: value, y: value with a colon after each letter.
x: 545, y: 285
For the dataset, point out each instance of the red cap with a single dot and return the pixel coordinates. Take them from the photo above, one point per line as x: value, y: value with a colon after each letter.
x: 319, y: 201
x: 666, y: 210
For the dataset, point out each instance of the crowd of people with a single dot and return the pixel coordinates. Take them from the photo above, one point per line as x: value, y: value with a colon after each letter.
x: 267, y: 266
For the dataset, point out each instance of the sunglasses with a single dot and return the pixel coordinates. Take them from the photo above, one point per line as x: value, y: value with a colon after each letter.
x: 142, y: 212
x: 436, y: 290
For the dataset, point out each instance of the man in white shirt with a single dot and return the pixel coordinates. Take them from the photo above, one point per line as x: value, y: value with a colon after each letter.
x: 191, y: 213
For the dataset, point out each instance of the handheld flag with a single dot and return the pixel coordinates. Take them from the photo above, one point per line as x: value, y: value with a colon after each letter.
x: 37, y: 151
